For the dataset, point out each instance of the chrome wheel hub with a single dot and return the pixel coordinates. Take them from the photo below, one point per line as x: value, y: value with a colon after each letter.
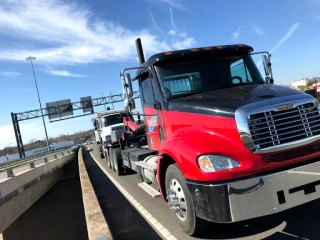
x: 115, y: 165
x: 177, y: 200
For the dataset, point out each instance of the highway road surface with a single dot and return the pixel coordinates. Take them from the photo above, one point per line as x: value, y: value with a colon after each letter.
x: 298, y: 223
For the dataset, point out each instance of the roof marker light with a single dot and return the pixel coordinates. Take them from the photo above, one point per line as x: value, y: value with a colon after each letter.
x: 168, y: 53
x: 219, y: 47
x: 207, y: 48
x: 194, y: 50
x: 241, y: 45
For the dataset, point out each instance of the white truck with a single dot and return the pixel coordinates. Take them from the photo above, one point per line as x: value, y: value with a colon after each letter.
x: 104, y: 124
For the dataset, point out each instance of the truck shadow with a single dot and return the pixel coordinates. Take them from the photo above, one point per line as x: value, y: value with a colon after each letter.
x: 299, y: 223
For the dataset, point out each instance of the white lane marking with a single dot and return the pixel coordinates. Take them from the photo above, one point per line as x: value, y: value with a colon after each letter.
x: 144, y: 213
x: 303, y: 172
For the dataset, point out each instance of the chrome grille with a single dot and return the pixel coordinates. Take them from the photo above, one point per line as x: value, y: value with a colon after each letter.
x: 272, y: 128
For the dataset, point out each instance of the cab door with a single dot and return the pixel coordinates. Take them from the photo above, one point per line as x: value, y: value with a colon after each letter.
x: 153, y: 121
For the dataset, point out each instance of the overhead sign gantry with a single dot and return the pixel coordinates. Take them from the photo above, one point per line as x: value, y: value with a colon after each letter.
x: 62, y: 110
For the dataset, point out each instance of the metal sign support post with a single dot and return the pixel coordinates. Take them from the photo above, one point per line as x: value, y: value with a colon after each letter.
x: 17, y: 133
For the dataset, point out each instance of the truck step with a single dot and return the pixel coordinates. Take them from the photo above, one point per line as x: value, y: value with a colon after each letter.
x: 145, y: 165
x: 150, y: 190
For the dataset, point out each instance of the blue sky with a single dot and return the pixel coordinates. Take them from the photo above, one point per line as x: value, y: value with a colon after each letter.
x: 82, y: 45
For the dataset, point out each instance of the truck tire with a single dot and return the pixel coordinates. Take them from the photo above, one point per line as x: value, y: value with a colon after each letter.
x: 185, y: 213
x: 108, y: 158
x: 111, y: 158
x: 101, y: 152
x: 117, y: 166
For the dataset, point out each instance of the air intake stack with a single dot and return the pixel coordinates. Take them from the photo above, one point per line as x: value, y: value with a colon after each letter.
x: 140, y: 51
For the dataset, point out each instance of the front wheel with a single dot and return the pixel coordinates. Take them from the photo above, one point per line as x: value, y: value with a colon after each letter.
x: 181, y: 203
x: 116, y: 159
x: 100, y: 147
x: 108, y: 158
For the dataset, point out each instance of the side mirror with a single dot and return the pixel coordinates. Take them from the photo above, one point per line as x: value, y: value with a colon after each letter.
x: 95, y: 128
x: 128, y: 92
x: 266, y: 65
x: 129, y: 84
x: 132, y: 104
x: 269, y: 80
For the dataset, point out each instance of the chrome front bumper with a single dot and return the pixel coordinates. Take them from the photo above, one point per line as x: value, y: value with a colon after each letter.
x: 257, y: 197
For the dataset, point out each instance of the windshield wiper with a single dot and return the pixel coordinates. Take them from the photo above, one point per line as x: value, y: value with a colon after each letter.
x: 185, y: 93
x: 245, y: 83
x: 179, y: 93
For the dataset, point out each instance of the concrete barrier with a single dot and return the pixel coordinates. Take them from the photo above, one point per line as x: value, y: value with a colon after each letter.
x: 19, y: 191
x: 97, y: 226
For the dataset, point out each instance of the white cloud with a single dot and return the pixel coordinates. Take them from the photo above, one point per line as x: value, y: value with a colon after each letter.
x: 286, y: 36
x: 187, y: 43
x: 174, y: 4
x: 259, y: 31
x: 283, y: 39
x: 74, y: 35
x: 10, y: 73
x: 64, y: 73
x: 316, y: 18
x: 236, y: 34
x: 171, y: 19
x: 8, y: 133
x: 155, y: 24
x: 172, y: 32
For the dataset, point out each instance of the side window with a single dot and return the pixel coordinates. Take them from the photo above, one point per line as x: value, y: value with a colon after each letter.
x: 182, y: 83
x: 147, y: 90
x: 239, y: 69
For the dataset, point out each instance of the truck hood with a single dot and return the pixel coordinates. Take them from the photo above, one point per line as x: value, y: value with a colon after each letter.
x: 107, y: 130
x: 224, y: 102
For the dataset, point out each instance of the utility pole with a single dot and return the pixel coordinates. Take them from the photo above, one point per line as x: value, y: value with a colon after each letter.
x: 31, y: 59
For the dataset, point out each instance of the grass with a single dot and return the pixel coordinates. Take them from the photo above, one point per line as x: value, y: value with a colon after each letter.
x: 29, y: 159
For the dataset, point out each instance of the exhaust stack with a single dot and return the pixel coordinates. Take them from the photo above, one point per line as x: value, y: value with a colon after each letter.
x: 140, y: 51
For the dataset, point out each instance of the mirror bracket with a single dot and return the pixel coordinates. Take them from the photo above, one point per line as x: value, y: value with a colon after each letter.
x: 157, y: 105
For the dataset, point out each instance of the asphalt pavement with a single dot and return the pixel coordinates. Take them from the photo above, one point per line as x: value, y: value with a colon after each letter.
x: 298, y: 223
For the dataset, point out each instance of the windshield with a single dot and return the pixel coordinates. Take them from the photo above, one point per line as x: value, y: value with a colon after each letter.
x: 112, y: 119
x: 207, y: 74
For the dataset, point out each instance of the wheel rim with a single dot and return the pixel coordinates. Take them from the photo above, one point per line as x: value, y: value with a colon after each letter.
x: 176, y: 198
x: 108, y: 159
x: 115, y: 164
x: 111, y: 160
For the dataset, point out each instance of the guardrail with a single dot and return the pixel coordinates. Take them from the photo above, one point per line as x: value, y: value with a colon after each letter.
x: 47, y: 154
x: 31, y: 163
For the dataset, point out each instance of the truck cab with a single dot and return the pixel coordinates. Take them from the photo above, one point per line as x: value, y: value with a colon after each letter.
x: 223, y: 144
x: 105, y: 123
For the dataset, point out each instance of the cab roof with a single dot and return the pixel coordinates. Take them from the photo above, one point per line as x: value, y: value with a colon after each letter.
x: 193, y: 52
x: 109, y: 112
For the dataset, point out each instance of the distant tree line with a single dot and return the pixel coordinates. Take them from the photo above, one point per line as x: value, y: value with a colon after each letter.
x: 78, y: 137
x: 310, y: 82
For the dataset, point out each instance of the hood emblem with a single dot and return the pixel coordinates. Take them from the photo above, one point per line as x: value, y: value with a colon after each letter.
x: 286, y: 106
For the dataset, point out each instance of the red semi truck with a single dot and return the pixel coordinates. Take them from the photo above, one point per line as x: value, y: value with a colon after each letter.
x: 219, y: 143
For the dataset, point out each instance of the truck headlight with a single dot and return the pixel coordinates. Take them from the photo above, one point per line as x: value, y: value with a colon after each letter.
x: 214, y: 163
